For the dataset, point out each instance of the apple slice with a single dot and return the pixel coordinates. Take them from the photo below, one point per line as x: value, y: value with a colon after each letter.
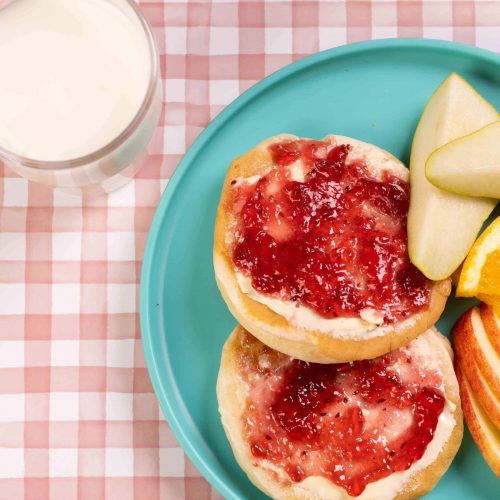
x: 487, y: 399
x: 469, y: 165
x: 491, y: 322
x: 480, y: 386
x: 485, y: 433
x: 473, y: 344
x: 442, y: 226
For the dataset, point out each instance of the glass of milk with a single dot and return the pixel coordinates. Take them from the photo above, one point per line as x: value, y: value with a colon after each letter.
x: 80, y: 91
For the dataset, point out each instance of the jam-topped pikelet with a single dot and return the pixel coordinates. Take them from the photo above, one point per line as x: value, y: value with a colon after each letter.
x: 382, y: 428
x: 311, y: 253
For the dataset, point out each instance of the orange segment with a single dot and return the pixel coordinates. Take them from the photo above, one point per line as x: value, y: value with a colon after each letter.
x: 489, y: 283
x: 480, y: 276
x: 492, y: 300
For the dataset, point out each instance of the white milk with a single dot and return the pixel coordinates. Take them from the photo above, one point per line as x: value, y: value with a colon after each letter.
x: 73, y: 74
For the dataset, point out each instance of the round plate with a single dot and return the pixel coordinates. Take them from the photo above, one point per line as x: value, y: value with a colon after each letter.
x: 373, y: 91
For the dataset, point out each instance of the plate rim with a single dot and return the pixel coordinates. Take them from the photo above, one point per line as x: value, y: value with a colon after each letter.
x: 167, y: 394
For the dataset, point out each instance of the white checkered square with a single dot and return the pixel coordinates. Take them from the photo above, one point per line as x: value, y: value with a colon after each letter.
x: 278, y: 40
x: 119, y: 462
x: 488, y: 38
x: 438, y: 33
x: 121, y: 298
x: 12, y: 463
x: 331, y: 37
x: 12, y: 408
x: 120, y: 353
x: 64, y: 352
x: 65, y: 298
x: 12, y: 246
x: 176, y: 40
x: 119, y: 406
x: 121, y: 246
x: 63, y: 462
x: 223, y: 91
x: 123, y: 197
x: 67, y: 246
x: 380, y: 32
x: 15, y: 192
x: 174, y: 137
x: 64, y: 406
x: 175, y: 90
x: 12, y: 298
x: 11, y: 354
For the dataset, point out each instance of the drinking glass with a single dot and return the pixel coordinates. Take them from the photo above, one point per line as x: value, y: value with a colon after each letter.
x: 114, y: 164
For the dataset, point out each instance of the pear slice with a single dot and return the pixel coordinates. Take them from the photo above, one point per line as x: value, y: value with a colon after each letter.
x: 469, y: 165
x: 442, y: 226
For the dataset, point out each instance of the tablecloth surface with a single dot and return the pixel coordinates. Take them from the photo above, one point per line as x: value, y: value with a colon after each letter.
x: 78, y: 416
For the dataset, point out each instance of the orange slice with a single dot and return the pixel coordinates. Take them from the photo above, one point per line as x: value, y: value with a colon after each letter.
x: 480, y: 276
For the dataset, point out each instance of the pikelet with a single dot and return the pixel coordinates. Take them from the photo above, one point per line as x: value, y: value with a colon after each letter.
x: 310, y: 250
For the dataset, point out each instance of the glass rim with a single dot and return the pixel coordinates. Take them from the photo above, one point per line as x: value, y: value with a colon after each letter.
x: 125, y: 134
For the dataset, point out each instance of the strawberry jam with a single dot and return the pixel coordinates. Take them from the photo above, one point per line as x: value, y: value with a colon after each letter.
x: 334, y: 240
x: 352, y: 423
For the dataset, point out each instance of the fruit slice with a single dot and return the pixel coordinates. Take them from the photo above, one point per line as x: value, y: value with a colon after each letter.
x: 481, y: 270
x: 479, y: 384
x: 491, y: 322
x: 469, y: 165
x: 455, y: 277
x: 442, y: 226
x: 485, y: 433
x: 487, y: 399
x: 473, y: 344
x: 493, y: 300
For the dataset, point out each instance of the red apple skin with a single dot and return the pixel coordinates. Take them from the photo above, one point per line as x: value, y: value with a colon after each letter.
x: 468, y: 349
x: 477, y: 383
x: 480, y: 436
x: 491, y: 325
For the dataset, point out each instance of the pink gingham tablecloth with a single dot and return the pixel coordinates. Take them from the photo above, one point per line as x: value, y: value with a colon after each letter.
x: 78, y: 417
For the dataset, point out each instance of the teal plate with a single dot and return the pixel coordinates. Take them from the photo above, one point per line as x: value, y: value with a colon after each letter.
x: 374, y: 91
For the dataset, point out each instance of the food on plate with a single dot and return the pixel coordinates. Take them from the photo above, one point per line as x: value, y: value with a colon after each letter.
x: 485, y: 433
x: 442, y: 226
x: 456, y: 276
x: 382, y: 428
x: 479, y: 361
x: 491, y: 320
x: 470, y: 339
x: 480, y: 387
x: 480, y: 276
x: 490, y: 299
x: 310, y: 250
x: 469, y: 165
x: 477, y: 364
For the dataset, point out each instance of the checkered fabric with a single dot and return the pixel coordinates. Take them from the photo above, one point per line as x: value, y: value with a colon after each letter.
x: 78, y: 417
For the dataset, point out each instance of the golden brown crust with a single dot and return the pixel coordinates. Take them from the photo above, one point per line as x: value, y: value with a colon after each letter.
x: 272, y: 328
x: 232, y: 394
